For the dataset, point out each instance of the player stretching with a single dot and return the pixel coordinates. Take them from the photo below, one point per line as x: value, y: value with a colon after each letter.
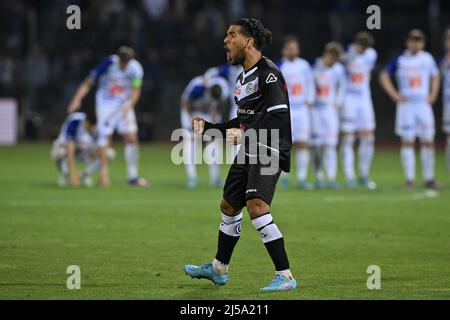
x: 119, y: 88
x: 202, y: 98
x: 357, y: 114
x: 76, y: 141
x: 263, y: 104
x: 300, y: 83
x: 445, y: 70
x: 329, y: 76
x: 414, y: 69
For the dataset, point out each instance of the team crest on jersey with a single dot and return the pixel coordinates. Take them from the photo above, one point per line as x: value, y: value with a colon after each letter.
x: 271, y: 78
x: 249, y: 88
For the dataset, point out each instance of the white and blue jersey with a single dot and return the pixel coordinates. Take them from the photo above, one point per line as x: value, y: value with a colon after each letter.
x: 414, y: 117
x: 413, y: 73
x: 230, y: 73
x: 201, y: 103
x: 74, y: 130
x: 299, y: 80
x: 358, y: 67
x: 330, y: 83
x: 357, y: 113
x: 115, y: 85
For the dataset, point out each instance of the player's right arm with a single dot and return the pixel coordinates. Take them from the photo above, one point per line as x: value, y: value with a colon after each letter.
x: 73, y: 174
x: 386, y: 81
x: 88, y: 83
x: 81, y: 92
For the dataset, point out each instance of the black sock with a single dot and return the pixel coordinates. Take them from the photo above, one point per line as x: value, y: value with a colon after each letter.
x: 229, y: 234
x: 273, y: 240
x: 278, y: 254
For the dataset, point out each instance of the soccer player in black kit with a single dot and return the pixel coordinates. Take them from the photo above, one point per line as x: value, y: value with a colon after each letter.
x: 263, y: 102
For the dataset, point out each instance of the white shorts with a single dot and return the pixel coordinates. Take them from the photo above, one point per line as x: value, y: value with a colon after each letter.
x: 357, y: 114
x: 415, y: 120
x: 112, y: 118
x: 446, y: 118
x: 301, y: 124
x: 325, y: 126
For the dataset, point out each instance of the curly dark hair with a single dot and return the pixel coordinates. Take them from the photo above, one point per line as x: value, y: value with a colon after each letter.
x: 253, y: 28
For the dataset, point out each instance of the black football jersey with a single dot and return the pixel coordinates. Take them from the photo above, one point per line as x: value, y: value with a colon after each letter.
x: 263, y: 103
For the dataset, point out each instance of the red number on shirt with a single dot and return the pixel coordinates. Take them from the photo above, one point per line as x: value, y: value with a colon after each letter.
x: 415, y: 82
x: 323, y: 91
x: 357, y: 78
x: 296, y: 89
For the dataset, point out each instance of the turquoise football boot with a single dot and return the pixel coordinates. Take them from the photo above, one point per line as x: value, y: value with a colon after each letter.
x: 333, y: 185
x: 351, y: 184
x: 205, y: 271
x: 191, y: 183
x: 281, y: 283
x: 366, y: 182
x: 304, y: 185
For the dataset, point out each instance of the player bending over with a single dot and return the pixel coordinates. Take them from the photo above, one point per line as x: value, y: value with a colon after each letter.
x: 202, y: 98
x: 263, y: 103
x: 119, y: 80
x: 76, y: 142
x: 230, y: 73
x: 329, y: 76
x: 418, y: 86
x: 300, y: 83
x: 357, y: 115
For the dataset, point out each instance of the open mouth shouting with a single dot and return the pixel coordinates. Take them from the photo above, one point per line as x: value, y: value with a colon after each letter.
x: 227, y: 50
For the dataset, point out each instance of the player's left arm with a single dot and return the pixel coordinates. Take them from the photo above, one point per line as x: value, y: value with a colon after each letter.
x: 136, y: 89
x: 435, y: 82
x: 71, y: 133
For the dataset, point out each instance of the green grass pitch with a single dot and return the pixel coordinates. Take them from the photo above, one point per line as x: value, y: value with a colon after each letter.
x: 132, y: 243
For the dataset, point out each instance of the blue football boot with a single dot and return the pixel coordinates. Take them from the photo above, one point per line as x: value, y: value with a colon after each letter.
x: 205, y: 271
x: 280, y: 283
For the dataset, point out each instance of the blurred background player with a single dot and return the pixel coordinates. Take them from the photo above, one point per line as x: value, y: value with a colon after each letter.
x: 119, y: 88
x: 445, y: 70
x: 230, y: 73
x: 203, y: 97
x: 330, y: 81
x: 418, y: 87
x: 357, y: 115
x: 77, y: 142
x: 300, y: 83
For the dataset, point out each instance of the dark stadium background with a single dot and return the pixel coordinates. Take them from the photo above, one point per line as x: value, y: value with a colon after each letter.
x: 42, y: 62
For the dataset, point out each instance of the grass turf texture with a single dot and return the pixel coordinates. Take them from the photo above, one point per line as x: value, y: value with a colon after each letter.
x: 132, y: 243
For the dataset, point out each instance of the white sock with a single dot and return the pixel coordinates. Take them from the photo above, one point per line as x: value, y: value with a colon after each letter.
x: 131, y: 159
x: 214, y: 172
x: 302, y: 163
x: 408, y: 162
x: 427, y: 158
x: 219, y: 267
x: 285, y: 273
x: 189, y: 159
x: 447, y: 152
x: 331, y: 162
x: 92, y: 166
x: 348, y: 156
x: 63, y: 167
x: 317, y: 151
x: 366, y: 151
